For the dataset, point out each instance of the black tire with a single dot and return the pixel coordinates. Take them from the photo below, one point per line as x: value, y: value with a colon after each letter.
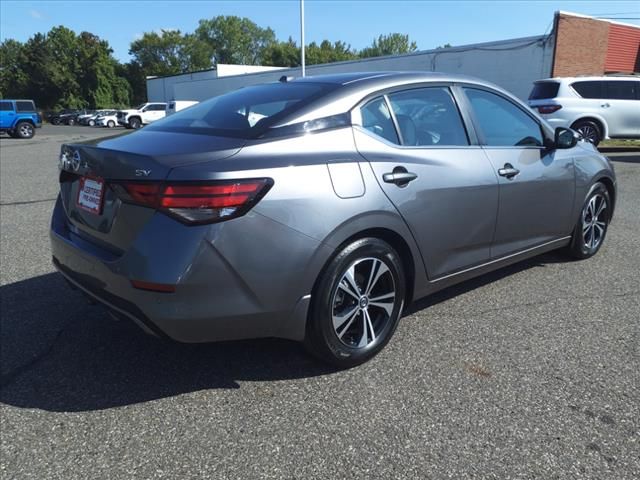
x: 343, y: 330
x: 55, y: 121
x: 590, y: 231
x: 135, y: 123
x: 71, y: 122
x: 111, y: 124
x: 589, y: 130
x: 24, y: 130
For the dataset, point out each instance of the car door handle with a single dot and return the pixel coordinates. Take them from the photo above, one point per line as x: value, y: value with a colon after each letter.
x: 605, y: 105
x: 399, y: 176
x: 508, y: 171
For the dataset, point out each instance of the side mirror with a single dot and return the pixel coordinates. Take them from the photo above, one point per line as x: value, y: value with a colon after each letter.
x: 566, y: 138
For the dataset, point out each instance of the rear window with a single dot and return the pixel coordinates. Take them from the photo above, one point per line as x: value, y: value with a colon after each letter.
x: 589, y: 89
x: 246, y: 112
x: 25, y: 106
x: 544, y: 90
x: 6, y: 107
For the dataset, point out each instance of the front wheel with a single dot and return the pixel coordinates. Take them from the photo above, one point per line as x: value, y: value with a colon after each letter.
x: 111, y: 124
x: 71, y: 122
x: 591, y: 229
x: 356, y: 303
x: 92, y: 123
x: 135, y: 123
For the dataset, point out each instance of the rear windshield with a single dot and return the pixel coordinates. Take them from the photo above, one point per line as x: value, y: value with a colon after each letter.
x: 544, y: 90
x: 25, y: 106
x: 244, y: 113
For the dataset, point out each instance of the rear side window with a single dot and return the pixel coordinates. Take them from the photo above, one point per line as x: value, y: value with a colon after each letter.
x: 589, y: 89
x: 377, y: 119
x: 623, y: 90
x: 544, y: 90
x: 428, y: 116
x: 503, y: 123
x: 25, y: 106
x: 6, y: 107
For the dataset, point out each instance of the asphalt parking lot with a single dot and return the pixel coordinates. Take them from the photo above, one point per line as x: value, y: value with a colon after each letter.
x: 530, y: 372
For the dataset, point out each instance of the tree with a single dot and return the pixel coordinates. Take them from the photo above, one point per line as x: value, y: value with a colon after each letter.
x: 282, y: 54
x: 235, y: 40
x: 13, y: 79
x: 446, y: 45
x: 160, y: 53
x: 392, y: 44
x: 328, y: 52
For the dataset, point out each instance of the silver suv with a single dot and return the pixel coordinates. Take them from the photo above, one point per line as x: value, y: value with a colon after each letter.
x: 597, y: 107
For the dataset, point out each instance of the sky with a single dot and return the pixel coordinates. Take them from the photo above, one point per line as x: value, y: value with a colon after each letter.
x: 429, y: 23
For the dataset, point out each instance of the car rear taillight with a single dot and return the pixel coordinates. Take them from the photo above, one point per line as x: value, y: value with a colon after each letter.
x: 548, y: 108
x: 197, y: 203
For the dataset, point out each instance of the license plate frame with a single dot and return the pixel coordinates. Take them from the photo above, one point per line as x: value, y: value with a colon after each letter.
x: 90, y: 196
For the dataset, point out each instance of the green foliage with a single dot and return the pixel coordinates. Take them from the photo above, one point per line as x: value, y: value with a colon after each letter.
x: 236, y: 40
x: 63, y: 70
x: 392, y: 44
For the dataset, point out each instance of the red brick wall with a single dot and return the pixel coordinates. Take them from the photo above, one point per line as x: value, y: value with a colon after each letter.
x: 581, y: 46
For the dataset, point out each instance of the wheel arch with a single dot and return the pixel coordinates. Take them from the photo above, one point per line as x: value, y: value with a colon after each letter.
x: 610, y: 185
x: 598, y: 120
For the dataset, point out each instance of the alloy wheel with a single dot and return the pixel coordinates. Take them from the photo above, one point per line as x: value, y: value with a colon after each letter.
x: 589, y: 133
x: 26, y: 130
x: 363, y: 302
x: 594, y: 221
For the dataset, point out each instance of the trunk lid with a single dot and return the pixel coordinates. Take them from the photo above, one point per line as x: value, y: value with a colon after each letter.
x: 142, y: 156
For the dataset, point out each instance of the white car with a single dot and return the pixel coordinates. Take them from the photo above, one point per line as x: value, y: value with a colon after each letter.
x: 108, y: 119
x: 142, y: 115
x: 597, y: 107
x: 176, y: 105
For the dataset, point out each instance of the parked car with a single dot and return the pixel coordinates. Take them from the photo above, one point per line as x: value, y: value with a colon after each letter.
x: 72, y: 118
x: 142, y: 115
x: 107, y: 119
x: 90, y: 120
x: 353, y: 195
x: 176, y: 105
x: 597, y: 107
x: 19, y: 118
x: 58, y: 117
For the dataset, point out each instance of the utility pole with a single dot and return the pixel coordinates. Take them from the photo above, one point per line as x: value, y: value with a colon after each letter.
x: 302, y: 35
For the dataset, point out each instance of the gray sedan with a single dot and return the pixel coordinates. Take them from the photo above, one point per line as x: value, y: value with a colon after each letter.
x: 316, y: 209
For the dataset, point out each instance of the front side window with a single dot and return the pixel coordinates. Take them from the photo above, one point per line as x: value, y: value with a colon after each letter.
x: 623, y: 90
x: 428, y: 117
x: 502, y: 122
x: 377, y: 119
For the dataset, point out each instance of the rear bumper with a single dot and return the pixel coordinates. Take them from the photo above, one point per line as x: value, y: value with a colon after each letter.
x: 215, y: 298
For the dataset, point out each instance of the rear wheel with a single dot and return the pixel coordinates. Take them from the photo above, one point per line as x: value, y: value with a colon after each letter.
x: 592, y: 225
x: 135, y: 123
x: 24, y: 130
x: 357, y: 304
x: 111, y: 124
x: 92, y: 123
x: 71, y: 122
x: 589, y: 130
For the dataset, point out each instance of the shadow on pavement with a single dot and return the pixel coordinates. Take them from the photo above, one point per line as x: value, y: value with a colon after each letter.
x: 58, y: 353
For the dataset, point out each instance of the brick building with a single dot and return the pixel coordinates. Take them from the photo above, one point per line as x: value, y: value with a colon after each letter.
x: 589, y: 46
x: 577, y: 45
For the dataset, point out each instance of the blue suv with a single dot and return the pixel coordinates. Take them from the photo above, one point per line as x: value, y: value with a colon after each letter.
x: 19, y: 118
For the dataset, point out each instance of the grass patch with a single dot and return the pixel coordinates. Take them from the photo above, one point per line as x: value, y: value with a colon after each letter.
x: 620, y: 143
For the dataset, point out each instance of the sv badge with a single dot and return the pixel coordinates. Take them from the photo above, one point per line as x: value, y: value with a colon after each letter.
x: 143, y: 173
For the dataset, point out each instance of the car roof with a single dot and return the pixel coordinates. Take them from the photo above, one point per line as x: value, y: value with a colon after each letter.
x: 384, y: 77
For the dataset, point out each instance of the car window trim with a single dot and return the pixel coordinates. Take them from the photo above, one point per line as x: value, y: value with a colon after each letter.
x: 356, y: 117
x: 481, y: 136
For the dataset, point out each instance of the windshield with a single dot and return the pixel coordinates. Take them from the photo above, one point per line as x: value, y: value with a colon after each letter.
x: 246, y: 112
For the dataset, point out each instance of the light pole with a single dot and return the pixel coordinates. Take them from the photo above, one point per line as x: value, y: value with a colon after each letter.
x: 302, y: 35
